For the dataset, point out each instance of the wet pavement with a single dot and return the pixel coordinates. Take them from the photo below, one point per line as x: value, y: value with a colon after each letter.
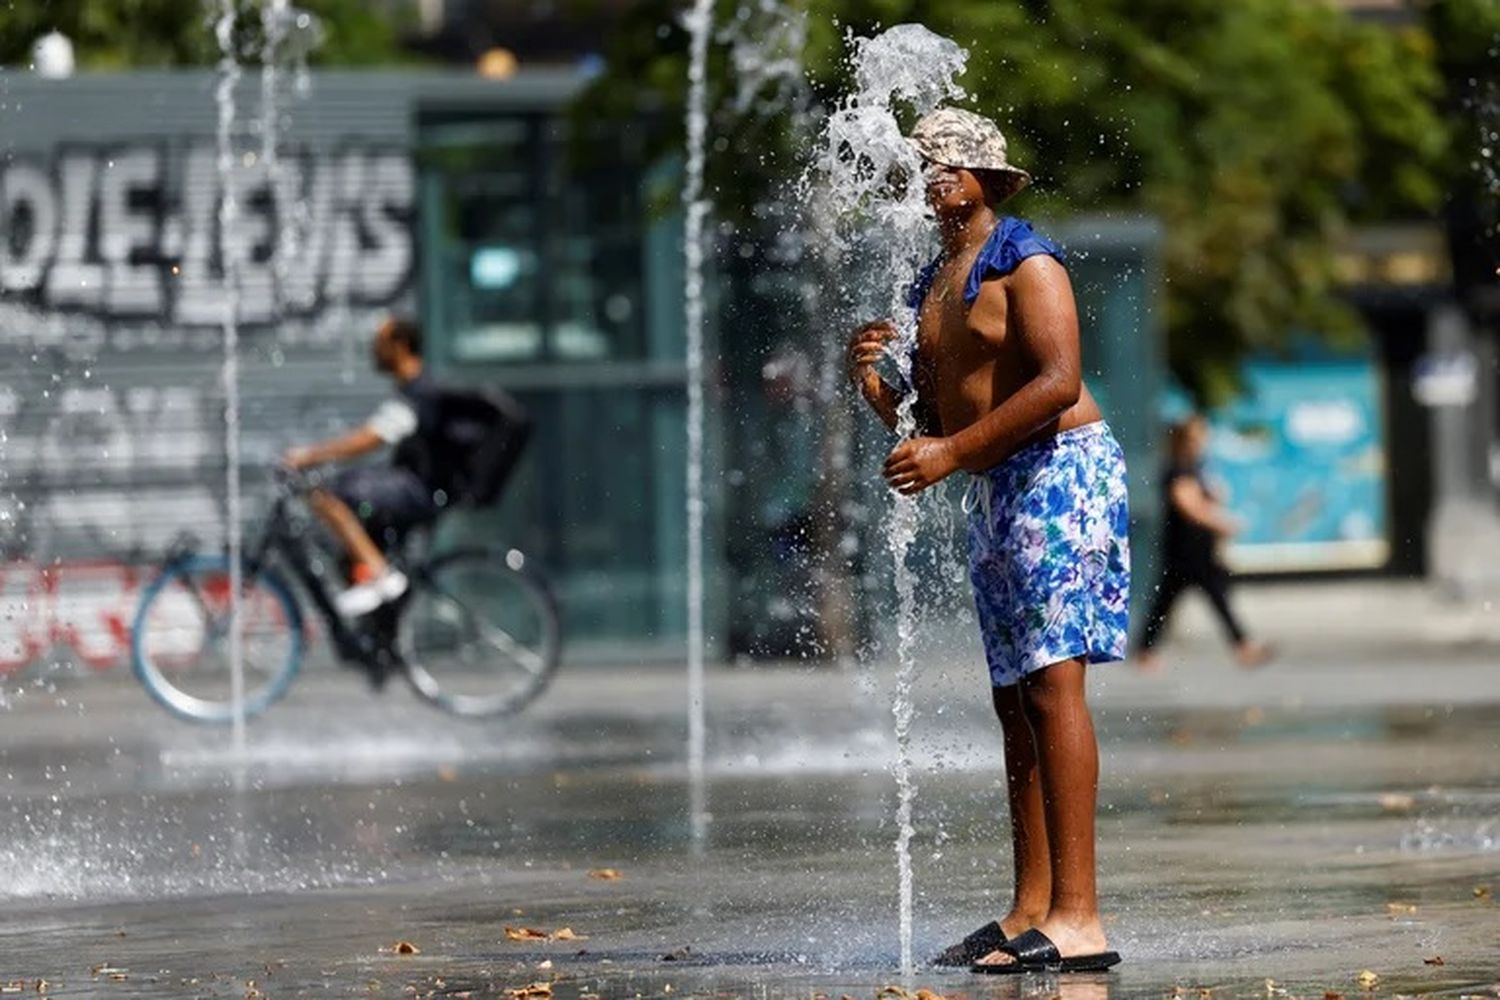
x: 1336, y: 814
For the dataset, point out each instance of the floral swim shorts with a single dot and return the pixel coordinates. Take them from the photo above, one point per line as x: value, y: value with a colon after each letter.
x: 1049, y: 554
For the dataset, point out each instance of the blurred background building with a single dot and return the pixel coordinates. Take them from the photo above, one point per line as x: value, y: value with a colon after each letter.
x: 540, y: 245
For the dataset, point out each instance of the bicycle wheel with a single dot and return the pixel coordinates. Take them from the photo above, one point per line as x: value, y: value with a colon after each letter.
x: 180, y: 645
x: 480, y: 635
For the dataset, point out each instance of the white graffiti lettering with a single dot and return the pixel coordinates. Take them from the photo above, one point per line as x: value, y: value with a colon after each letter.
x: 130, y: 234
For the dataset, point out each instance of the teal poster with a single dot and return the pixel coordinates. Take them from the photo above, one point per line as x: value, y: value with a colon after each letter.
x: 1299, y: 459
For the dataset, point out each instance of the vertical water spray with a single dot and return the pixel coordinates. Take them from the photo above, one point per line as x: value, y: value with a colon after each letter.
x: 867, y: 177
x: 699, y: 23
x: 289, y: 37
x: 229, y: 75
x: 766, y: 39
x: 273, y: 20
x: 1487, y: 107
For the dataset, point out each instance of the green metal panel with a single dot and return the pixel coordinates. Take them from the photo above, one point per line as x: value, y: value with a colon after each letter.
x: 549, y: 274
x: 1115, y: 265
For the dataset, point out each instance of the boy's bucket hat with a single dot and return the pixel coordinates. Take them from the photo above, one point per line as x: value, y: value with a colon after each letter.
x: 954, y: 137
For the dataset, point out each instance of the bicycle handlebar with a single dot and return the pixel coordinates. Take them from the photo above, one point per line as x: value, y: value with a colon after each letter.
x: 291, y: 482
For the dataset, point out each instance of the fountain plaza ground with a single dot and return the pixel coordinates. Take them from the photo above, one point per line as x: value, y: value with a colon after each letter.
x: 1270, y: 835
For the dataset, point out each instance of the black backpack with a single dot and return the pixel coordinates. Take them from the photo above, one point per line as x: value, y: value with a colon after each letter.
x: 477, y: 438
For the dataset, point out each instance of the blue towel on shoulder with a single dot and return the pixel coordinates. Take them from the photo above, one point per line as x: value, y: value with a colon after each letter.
x: 1012, y: 241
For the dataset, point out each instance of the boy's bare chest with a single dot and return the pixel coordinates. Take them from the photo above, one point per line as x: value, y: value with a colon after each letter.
x: 952, y: 332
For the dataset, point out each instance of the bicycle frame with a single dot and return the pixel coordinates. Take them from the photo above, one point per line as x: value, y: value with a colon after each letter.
x: 369, y: 646
x: 281, y: 551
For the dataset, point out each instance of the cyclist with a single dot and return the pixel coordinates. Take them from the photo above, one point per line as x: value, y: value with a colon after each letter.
x: 381, y: 501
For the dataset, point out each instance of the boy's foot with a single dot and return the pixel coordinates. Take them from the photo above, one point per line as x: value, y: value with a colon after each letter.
x: 972, y: 948
x: 1071, y: 941
x: 1036, y: 952
x: 363, y: 598
x: 1251, y: 654
x: 983, y: 941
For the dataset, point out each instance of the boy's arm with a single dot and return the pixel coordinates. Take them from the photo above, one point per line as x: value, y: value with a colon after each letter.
x: 1035, y: 309
x: 883, y: 399
x: 865, y: 349
x: 1042, y: 320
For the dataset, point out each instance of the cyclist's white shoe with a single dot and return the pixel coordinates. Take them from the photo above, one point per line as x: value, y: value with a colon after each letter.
x: 363, y: 598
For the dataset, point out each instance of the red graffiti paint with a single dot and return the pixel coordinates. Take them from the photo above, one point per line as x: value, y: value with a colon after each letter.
x: 83, y: 611
x: 82, y: 607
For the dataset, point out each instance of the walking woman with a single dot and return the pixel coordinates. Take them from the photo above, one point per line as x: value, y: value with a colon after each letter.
x: 1195, y: 523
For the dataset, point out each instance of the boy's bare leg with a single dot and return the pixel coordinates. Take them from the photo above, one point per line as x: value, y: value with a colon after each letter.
x: 1068, y: 764
x: 346, y: 527
x: 1028, y: 821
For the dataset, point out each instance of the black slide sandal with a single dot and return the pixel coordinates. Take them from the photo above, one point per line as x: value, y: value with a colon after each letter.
x: 1035, y: 952
x: 972, y: 948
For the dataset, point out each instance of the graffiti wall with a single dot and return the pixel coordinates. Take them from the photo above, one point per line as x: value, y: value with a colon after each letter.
x: 112, y: 290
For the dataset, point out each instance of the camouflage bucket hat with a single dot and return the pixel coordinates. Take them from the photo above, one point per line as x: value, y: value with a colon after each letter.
x: 958, y: 138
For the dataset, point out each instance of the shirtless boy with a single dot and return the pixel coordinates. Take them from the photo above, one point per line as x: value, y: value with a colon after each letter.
x: 1000, y: 396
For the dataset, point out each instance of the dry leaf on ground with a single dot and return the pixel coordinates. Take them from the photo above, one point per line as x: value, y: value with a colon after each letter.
x: 1398, y: 908
x: 1332, y: 995
x: 606, y: 874
x: 401, y: 948
x: 530, y: 990
x: 893, y: 991
x: 1434, y: 960
x: 1397, y: 802
x: 532, y: 934
x: 1368, y: 979
x: 1481, y: 892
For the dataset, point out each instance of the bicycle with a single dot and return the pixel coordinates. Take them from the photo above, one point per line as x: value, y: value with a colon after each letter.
x: 477, y: 632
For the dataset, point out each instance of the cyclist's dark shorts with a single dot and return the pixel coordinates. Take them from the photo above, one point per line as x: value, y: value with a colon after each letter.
x: 388, y: 500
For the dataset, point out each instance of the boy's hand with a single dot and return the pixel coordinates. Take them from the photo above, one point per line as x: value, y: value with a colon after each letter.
x: 865, y: 349
x: 914, y: 465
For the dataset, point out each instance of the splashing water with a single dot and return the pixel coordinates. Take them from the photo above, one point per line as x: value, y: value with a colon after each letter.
x: 229, y: 75
x: 865, y: 177
x: 1488, y: 162
x: 273, y: 17
x: 766, y: 40
x: 290, y: 36
x: 699, y: 23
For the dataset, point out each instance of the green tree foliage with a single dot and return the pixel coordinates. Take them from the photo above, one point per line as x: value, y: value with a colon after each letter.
x: 1467, y: 33
x: 132, y: 34
x: 1256, y: 130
